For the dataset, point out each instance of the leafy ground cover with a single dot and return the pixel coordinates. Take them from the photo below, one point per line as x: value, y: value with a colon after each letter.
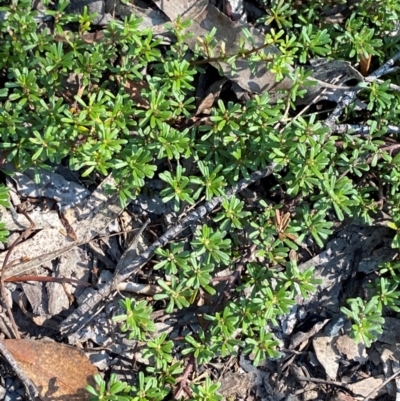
x: 133, y: 115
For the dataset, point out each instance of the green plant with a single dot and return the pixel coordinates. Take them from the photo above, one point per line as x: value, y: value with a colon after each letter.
x: 316, y: 224
x: 211, y: 245
x: 233, y: 215
x: 177, y: 293
x: 113, y: 390
x: 206, y: 391
x: 147, y: 389
x: 213, y: 181
x: 391, y: 269
x: 172, y: 259
x: 358, y: 39
x: 199, y: 348
x: 117, y: 390
x: 385, y: 292
x: 178, y: 190
x: 367, y: 319
x: 299, y: 282
x: 262, y: 347
x: 161, y: 350
x: 136, y: 320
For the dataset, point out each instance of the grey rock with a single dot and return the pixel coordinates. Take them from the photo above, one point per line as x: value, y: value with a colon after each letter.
x: 139, y: 8
x: 94, y: 7
x: 52, y: 185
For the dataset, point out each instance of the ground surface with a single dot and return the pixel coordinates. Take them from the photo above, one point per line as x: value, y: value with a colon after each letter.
x: 77, y: 235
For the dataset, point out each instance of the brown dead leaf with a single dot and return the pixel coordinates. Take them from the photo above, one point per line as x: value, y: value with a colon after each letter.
x: 213, y: 95
x: 364, y: 65
x: 134, y: 89
x: 60, y: 372
x: 206, y: 104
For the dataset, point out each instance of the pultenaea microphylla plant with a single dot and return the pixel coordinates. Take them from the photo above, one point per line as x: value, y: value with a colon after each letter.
x: 105, y: 130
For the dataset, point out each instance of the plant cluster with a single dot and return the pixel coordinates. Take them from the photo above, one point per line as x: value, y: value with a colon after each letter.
x: 136, y: 126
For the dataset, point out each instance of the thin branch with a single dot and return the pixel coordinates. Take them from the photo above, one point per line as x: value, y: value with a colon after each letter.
x: 385, y: 69
x: 184, y: 378
x: 322, y: 381
x: 360, y: 129
x: 376, y: 389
